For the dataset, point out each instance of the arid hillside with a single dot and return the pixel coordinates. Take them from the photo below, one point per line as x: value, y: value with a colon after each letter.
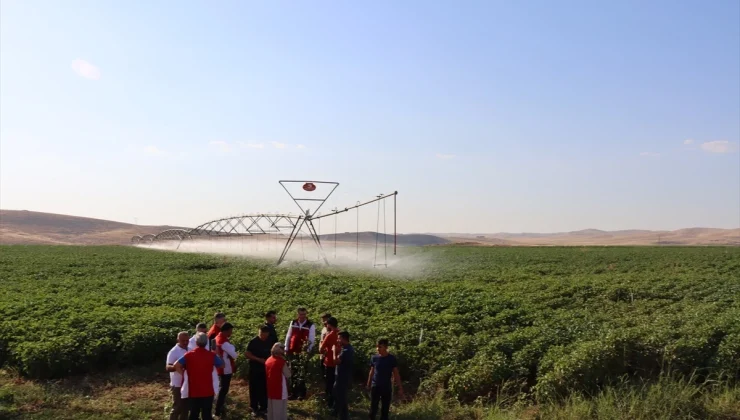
x: 30, y: 227
x: 691, y: 236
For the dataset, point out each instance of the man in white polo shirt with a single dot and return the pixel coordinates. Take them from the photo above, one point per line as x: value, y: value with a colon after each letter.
x: 199, y: 328
x: 179, y: 405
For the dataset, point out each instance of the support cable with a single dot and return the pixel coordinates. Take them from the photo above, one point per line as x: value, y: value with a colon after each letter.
x: 357, y: 231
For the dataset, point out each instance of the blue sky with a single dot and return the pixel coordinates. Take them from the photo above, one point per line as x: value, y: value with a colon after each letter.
x: 485, y: 116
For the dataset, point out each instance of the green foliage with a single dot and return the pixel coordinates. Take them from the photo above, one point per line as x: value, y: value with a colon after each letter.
x: 559, y: 321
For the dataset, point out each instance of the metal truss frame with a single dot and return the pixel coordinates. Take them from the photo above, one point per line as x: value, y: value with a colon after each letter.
x: 308, y: 215
x: 265, y: 223
x: 244, y: 225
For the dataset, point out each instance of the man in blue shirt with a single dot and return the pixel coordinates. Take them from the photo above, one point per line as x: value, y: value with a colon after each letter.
x: 383, y: 367
x: 343, y: 375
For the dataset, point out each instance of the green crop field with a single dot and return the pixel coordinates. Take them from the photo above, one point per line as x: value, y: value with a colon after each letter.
x: 473, y: 325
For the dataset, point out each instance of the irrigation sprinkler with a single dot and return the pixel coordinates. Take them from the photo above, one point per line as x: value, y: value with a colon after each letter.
x: 309, y: 197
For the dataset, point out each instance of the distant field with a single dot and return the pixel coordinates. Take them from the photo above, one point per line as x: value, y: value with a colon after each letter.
x: 553, y: 321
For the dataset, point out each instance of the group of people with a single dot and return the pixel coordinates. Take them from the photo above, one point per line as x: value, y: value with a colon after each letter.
x: 201, y: 368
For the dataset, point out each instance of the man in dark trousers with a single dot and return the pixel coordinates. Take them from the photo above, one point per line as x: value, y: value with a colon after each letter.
x: 179, y: 404
x: 258, y: 350
x: 299, y: 342
x: 226, y: 351
x: 345, y: 361
x: 327, y: 350
x: 270, y: 321
x: 383, y: 367
x: 199, y: 363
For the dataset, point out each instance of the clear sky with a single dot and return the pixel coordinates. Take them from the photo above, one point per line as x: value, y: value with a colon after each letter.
x: 485, y: 116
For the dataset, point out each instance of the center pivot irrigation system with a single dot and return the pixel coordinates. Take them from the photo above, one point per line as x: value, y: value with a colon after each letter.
x: 303, y: 194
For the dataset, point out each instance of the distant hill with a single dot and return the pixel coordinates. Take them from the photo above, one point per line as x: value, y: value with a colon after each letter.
x: 31, y: 227
x: 690, y: 236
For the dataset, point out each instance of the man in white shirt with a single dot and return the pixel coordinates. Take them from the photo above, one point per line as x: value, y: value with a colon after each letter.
x: 199, y: 328
x: 301, y: 334
x: 179, y: 406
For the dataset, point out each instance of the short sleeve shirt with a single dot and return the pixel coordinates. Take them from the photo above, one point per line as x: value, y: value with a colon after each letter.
x: 273, y: 338
x: 217, y: 361
x: 176, y: 353
x: 383, y: 370
x: 193, y: 346
x: 328, y: 343
x: 344, y: 369
x: 261, y: 349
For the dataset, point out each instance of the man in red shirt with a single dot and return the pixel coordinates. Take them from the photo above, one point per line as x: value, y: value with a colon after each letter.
x: 226, y: 351
x: 218, y: 320
x: 327, y: 350
x: 199, y: 364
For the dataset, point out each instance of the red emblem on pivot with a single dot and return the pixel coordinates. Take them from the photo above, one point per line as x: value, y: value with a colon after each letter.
x: 309, y: 186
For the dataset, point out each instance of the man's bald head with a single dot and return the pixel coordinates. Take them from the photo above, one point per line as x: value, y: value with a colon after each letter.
x: 182, y: 339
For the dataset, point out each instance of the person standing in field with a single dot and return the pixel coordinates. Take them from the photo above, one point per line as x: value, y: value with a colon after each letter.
x: 258, y: 351
x: 179, y: 405
x: 278, y: 373
x: 199, y: 364
x: 226, y: 351
x: 383, y: 368
x: 219, y: 319
x: 327, y: 350
x: 343, y: 381
x: 300, y: 338
x: 324, y: 331
x: 202, y: 327
x: 270, y: 321
x: 324, y: 319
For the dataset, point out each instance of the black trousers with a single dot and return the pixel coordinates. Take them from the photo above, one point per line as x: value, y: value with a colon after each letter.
x: 341, y: 400
x: 257, y: 389
x: 382, y: 396
x: 224, y: 383
x: 329, y: 377
x: 200, y: 408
